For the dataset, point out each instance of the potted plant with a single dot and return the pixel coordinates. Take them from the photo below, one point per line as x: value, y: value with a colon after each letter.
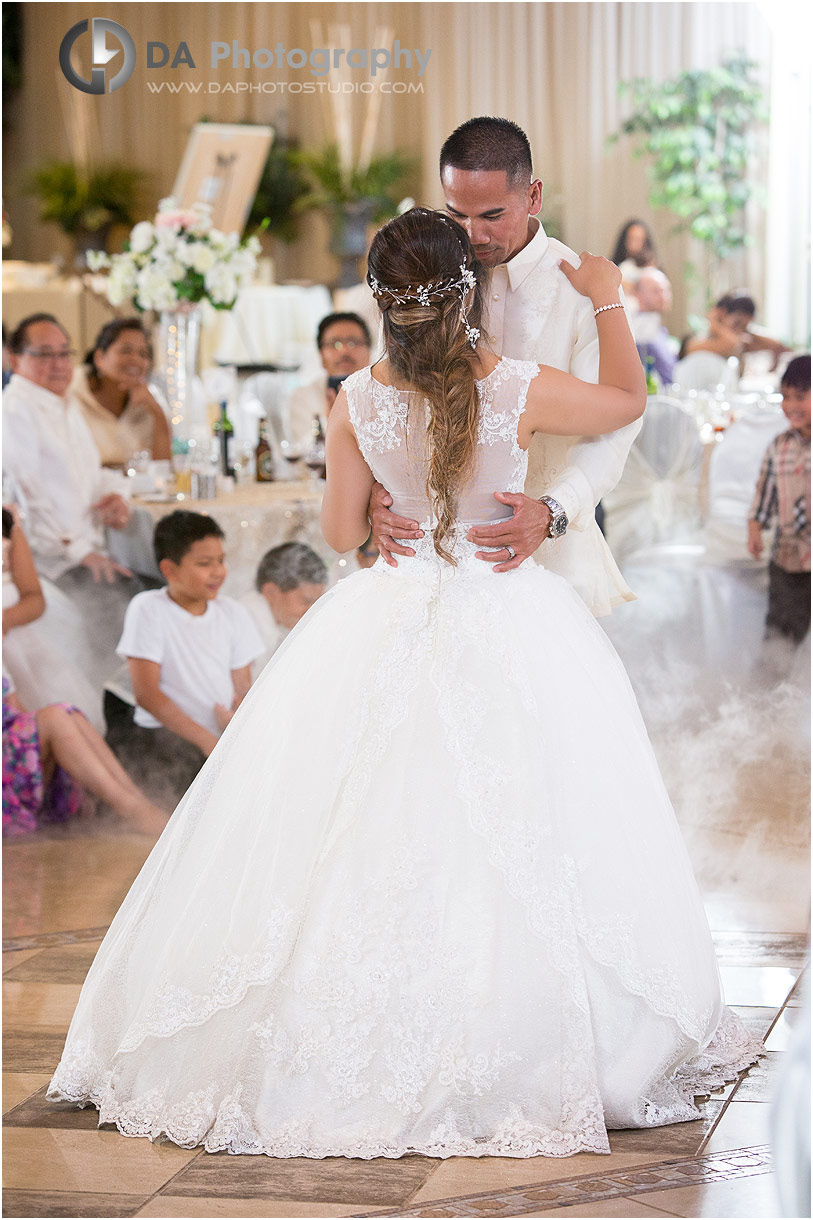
x: 87, y: 204
x: 281, y: 188
x: 699, y: 130
x: 355, y: 198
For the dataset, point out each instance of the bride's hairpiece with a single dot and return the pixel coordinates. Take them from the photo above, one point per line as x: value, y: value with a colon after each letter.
x: 424, y: 294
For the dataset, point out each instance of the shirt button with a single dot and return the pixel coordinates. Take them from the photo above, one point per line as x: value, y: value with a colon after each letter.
x: 496, y: 296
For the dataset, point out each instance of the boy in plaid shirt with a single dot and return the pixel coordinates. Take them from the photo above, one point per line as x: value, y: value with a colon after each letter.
x: 783, y: 496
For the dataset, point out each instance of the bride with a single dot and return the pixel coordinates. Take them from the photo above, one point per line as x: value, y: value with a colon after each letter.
x: 428, y: 895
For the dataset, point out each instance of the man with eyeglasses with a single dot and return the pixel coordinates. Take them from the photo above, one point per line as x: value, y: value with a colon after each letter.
x: 52, y: 466
x: 344, y: 346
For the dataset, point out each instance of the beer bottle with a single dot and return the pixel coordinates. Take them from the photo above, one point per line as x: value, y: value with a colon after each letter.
x: 264, y: 457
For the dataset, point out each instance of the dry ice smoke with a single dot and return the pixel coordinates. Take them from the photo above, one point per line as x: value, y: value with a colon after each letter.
x: 728, y: 715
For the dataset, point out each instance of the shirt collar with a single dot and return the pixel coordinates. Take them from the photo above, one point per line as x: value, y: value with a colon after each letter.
x: 522, y: 264
x: 37, y: 393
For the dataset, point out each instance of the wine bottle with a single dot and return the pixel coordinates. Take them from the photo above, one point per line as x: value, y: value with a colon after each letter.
x: 224, y: 430
x: 263, y: 456
x: 651, y: 383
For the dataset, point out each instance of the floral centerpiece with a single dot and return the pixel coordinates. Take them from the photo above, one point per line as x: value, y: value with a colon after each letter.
x: 171, y: 265
x: 178, y: 259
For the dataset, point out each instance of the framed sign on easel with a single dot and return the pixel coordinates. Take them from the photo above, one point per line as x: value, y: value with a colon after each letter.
x: 221, y: 166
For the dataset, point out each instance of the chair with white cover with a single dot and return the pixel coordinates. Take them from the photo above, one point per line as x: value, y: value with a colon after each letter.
x: 707, y: 371
x: 733, y: 473
x: 732, y: 587
x: 709, y: 597
x: 656, y: 500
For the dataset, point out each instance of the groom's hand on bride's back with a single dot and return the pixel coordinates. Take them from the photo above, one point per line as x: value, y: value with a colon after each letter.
x: 388, y: 526
x: 523, y: 533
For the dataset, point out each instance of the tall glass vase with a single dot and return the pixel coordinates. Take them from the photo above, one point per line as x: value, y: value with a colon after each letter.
x: 176, y: 360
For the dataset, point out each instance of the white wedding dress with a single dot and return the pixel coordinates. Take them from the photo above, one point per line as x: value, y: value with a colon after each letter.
x: 428, y: 895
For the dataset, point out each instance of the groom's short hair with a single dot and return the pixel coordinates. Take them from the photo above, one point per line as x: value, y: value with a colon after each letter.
x: 489, y: 144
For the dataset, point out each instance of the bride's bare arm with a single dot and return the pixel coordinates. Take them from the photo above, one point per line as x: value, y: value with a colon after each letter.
x: 349, y: 483
x: 561, y: 404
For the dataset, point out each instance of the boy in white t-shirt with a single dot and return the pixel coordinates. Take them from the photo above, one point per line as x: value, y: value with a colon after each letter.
x: 189, y: 651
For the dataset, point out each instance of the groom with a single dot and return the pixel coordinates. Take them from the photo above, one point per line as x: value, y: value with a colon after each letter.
x: 532, y: 313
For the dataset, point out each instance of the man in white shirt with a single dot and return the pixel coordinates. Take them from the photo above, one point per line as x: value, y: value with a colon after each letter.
x: 52, y: 466
x: 533, y: 314
x: 344, y: 347
x: 52, y: 460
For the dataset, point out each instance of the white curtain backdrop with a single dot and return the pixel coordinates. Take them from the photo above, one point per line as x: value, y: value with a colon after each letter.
x: 553, y: 67
x: 787, y: 301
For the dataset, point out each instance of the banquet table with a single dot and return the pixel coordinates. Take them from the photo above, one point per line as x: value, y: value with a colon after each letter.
x: 255, y: 517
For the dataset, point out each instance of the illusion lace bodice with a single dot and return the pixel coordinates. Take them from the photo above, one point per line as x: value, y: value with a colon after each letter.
x: 390, y: 425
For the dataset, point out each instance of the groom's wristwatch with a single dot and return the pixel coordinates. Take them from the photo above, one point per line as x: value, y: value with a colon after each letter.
x: 558, y: 517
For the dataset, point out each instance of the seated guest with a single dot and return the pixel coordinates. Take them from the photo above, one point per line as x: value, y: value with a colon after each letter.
x: 49, y: 757
x: 344, y: 346
x: 52, y: 463
x: 52, y: 460
x: 634, y: 249
x: 45, y: 647
x: 111, y: 388
x: 731, y: 331
x: 653, y: 294
x: 189, y: 651
x: 290, y: 578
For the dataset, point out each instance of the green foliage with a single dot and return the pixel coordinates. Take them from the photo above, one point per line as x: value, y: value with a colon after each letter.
x: 699, y: 131
x: 280, y: 188
x: 333, y: 188
x: 86, y: 203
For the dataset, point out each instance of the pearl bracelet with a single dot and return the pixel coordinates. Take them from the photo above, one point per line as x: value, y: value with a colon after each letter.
x: 601, y: 308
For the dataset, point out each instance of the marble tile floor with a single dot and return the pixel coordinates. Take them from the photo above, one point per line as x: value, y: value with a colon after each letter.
x: 62, y: 890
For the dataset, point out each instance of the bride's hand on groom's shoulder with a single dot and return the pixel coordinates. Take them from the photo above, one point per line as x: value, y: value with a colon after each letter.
x: 595, y: 277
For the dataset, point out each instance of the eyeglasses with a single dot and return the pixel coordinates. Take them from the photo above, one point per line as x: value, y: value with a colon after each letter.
x: 338, y: 344
x: 44, y: 354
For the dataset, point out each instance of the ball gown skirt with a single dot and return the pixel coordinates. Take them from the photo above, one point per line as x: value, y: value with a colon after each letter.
x: 428, y: 895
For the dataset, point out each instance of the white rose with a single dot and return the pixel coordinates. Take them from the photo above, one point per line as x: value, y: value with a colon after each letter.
x: 200, y: 257
x: 221, y: 284
x: 142, y: 237
x: 155, y: 291
x: 166, y: 241
x: 121, y: 283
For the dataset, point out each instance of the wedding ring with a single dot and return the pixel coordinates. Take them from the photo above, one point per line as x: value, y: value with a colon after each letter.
x: 511, y: 552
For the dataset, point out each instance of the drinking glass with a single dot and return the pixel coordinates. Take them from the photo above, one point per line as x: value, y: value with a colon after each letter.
x: 292, y: 454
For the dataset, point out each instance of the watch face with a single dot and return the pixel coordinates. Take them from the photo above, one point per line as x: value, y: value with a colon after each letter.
x: 558, y: 526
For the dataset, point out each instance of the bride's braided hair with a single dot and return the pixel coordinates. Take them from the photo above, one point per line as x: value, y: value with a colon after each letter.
x: 423, y: 271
